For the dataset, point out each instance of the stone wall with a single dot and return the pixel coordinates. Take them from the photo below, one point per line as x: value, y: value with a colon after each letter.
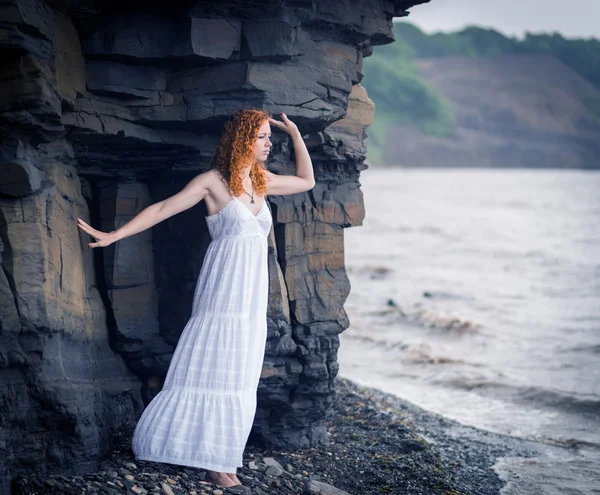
x: 106, y: 107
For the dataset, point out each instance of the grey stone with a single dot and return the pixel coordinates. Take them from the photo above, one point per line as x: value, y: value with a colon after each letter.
x: 20, y: 178
x: 314, y: 487
x: 139, y: 36
x: 274, y: 471
x: 166, y: 488
x: 124, y: 80
x: 215, y: 38
x: 70, y: 64
x: 278, y: 40
x: 270, y: 461
x: 239, y: 489
x: 152, y: 36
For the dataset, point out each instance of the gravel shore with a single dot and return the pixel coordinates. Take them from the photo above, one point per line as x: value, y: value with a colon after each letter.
x: 379, y: 444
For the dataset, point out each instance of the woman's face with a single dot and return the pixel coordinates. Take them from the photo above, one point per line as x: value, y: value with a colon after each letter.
x: 263, y: 144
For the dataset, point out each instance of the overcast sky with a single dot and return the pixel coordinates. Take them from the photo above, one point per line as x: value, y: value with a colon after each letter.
x: 574, y: 18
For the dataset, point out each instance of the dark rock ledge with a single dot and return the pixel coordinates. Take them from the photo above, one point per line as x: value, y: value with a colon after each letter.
x: 374, y: 448
x: 107, y: 106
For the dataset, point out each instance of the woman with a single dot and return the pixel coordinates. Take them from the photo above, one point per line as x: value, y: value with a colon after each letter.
x: 203, y: 415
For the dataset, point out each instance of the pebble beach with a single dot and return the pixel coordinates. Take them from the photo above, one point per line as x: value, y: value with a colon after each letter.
x: 379, y: 444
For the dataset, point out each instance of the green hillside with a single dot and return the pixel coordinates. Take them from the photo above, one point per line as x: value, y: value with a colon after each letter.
x: 581, y: 55
x: 401, y: 94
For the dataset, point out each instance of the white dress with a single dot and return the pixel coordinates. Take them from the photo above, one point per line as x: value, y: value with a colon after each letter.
x: 203, y: 415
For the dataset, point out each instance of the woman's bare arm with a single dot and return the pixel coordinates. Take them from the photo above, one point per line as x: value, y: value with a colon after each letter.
x: 304, y: 178
x: 191, y: 194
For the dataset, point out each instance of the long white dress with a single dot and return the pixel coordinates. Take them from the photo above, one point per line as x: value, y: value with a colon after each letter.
x: 203, y: 415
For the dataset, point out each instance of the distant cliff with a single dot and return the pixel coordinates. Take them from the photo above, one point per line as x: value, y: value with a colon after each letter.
x: 479, y: 99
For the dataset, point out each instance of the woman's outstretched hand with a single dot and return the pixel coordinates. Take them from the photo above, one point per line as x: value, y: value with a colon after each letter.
x: 103, y: 239
x: 287, y: 125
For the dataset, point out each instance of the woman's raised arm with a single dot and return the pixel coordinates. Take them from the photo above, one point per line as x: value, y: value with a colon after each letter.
x: 191, y: 194
x: 304, y: 178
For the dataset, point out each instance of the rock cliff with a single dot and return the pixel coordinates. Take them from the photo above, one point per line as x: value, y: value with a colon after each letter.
x: 106, y: 107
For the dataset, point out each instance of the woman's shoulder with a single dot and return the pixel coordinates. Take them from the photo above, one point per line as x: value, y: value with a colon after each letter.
x: 210, y: 176
x: 216, y: 173
x: 216, y: 181
x: 209, y: 180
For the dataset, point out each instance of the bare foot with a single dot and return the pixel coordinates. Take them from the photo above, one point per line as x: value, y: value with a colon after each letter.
x: 233, y: 477
x: 219, y: 479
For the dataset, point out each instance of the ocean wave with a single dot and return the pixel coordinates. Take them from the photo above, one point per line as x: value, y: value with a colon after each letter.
x: 570, y: 443
x: 449, y: 322
x: 423, y: 354
x: 386, y: 344
x: 427, y: 318
x: 532, y: 395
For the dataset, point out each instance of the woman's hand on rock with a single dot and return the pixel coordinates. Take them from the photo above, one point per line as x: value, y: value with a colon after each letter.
x: 287, y: 125
x: 103, y: 239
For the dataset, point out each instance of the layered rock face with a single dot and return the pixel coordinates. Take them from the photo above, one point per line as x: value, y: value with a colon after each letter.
x: 107, y: 107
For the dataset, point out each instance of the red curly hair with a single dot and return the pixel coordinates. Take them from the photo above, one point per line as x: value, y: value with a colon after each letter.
x: 236, y: 150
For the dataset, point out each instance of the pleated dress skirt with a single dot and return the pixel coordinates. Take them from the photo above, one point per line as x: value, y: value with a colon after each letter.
x: 203, y: 415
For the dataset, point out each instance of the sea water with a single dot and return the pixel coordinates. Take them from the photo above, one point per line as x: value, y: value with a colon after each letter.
x: 476, y: 295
